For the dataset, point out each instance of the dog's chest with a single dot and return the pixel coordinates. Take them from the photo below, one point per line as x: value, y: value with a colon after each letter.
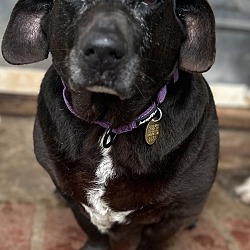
x: 98, y: 209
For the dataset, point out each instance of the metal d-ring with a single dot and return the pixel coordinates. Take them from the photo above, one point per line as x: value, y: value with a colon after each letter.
x: 160, y: 113
x: 109, y: 138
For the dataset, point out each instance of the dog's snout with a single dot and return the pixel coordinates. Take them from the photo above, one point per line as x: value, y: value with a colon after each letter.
x: 103, y: 58
x: 104, y: 46
x: 103, y: 51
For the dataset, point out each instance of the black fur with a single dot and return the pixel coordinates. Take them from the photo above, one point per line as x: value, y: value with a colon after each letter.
x: 166, y: 184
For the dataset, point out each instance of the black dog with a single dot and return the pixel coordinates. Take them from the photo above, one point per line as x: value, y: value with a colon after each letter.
x: 117, y: 59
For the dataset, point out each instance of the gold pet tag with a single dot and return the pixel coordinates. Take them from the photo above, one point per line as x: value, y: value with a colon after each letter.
x: 152, y: 131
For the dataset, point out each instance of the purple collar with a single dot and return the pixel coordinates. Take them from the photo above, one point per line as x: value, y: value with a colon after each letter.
x: 143, y: 118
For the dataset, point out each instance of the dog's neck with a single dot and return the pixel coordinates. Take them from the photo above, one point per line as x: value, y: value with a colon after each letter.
x: 119, y: 127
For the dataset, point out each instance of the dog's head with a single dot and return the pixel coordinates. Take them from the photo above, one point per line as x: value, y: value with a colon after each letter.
x: 118, y: 47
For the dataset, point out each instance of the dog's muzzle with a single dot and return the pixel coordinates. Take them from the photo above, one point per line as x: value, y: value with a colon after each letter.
x: 103, y: 50
x: 105, y: 57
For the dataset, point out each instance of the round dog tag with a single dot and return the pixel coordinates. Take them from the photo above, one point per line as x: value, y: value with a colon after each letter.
x: 152, y: 131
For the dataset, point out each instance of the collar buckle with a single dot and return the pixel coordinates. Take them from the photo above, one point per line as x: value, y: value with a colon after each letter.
x: 108, y: 138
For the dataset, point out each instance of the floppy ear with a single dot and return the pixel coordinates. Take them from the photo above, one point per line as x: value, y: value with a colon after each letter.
x: 24, y: 41
x: 198, y: 51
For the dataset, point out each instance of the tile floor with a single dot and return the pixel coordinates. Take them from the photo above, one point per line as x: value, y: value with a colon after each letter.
x: 32, y: 218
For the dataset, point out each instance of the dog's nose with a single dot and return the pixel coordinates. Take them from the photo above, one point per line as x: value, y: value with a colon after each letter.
x: 103, y: 51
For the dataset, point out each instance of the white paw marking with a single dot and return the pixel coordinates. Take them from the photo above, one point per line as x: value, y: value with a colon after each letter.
x: 243, y: 191
x: 100, y: 213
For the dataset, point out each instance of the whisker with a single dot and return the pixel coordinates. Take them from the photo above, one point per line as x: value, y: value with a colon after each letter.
x: 148, y: 59
x: 142, y: 73
x: 62, y: 62
x: 140, y: 91
x: 60, y: 49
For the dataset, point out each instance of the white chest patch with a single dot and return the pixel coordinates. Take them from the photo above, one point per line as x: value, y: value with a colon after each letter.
x: 100, y: 213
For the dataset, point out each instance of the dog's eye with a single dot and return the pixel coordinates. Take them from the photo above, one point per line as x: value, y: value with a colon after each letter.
x: 150, y: 2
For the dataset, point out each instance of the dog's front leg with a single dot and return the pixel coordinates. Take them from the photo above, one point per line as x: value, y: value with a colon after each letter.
x: 90, y: 245
x: 125, y: 238
x: 156, y: 236
x: 96, y: 240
